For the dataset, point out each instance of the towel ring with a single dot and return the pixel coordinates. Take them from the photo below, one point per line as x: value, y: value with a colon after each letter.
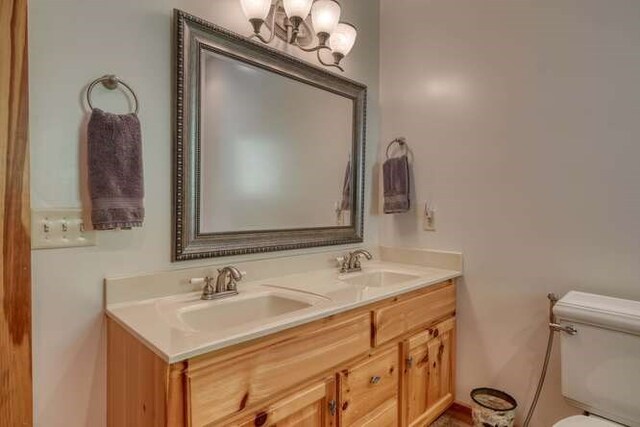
x: 111, y: 82
x: 402, y: 142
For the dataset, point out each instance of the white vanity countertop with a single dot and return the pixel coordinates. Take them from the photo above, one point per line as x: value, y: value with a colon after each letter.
x: 183, y: 326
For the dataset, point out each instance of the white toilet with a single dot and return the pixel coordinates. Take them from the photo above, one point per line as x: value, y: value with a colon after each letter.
x: 601, y: 362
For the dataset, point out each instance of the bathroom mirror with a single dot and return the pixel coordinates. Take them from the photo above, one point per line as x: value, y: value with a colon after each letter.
x: 269, y: 150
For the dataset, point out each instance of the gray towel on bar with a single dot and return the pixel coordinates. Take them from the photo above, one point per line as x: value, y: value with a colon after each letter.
x: 345, y: 205
x: 116, y: 180
x: 396, y: 177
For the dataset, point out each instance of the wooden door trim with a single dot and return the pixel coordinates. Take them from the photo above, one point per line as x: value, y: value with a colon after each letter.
x: 16, y: 387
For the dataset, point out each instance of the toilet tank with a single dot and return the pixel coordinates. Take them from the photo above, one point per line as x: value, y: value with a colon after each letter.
x: 601, y: 362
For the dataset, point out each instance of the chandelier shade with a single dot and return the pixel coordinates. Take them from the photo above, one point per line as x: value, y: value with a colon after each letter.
x: 325, y: 15
x: 256, y: 9
x: 343, y: 38
x: 297, y: 8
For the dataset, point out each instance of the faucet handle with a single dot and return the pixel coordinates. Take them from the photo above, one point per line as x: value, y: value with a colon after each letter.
x: 207, y: 289
x: 343, y: 262
x: 199, y: 280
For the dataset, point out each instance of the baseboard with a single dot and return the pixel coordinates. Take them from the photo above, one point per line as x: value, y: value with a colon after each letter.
x: 460, y: 412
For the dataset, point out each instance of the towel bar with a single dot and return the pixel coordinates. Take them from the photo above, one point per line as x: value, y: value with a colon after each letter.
x: 111, y: 82
x: 402, y: 142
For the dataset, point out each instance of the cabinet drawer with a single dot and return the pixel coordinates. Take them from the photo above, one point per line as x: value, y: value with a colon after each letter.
x: 369, y: 390
x: 406, y: 315
x: 309, y: 407
x: 223, y: 385
x: 385, y: 416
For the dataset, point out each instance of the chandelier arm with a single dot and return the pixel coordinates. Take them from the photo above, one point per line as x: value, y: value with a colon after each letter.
x: 293, y: 40
x: 273, y: 22
x: 327, y: 64
x: 312, y: 49
x: 261, y: 38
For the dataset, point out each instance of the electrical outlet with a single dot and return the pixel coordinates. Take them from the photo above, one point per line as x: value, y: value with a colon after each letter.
x: 429, y: 218
x: 59, y: 228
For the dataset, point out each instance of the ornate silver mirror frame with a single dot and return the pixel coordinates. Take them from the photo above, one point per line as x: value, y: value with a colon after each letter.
x: 192, y: 35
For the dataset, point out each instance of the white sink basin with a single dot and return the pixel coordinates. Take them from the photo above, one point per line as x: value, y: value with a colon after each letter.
x: 181, y: 326
x: 239, y: 310
x: 379, y: 279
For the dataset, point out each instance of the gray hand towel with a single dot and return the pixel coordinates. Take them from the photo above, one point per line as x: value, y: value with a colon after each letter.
x: 397, y: 189
x: 116, y: 180
x: 345, y: 204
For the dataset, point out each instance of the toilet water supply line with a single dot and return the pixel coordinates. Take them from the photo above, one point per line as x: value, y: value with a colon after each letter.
x: 553, y: 327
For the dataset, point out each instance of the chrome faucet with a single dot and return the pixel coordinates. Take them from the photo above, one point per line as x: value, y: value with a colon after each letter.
x: 351, y: 262
x: 226, y: 284
x: 228, y: 278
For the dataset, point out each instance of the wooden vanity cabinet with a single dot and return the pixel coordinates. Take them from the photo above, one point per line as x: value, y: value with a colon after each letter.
x: 391, y: 363
x: 428, y: 378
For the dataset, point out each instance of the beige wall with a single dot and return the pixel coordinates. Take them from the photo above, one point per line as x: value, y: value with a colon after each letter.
x: 71, y: 43
x: 524, y: 120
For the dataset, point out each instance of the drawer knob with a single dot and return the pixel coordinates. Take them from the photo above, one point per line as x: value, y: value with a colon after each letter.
x: 332, y: 407
x: 375, y: 379
x: 409, y: 362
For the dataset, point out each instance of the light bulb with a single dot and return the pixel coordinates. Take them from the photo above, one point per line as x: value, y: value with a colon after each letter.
x: 256, y: 9
x: 325, y: 15
x: 343, y: 39
x: 297, y: 8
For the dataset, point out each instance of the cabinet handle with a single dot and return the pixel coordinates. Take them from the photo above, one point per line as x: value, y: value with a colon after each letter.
x: 375, y: 379
x: 409, y: 362
x: 332, y: 407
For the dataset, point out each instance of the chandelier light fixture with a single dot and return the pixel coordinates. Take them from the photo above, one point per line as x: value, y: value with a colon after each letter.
x: 299, y: 22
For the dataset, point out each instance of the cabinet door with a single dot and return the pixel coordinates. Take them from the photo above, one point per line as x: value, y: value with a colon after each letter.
x: 313, y: 406
x: 369, y: 391
x: 428, y: 377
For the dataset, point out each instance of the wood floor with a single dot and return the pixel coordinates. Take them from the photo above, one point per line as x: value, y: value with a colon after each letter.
x: 448, y: 421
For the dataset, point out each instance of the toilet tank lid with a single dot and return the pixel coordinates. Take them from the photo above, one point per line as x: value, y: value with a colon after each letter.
x: 583, y: 421
x: 608, y: 312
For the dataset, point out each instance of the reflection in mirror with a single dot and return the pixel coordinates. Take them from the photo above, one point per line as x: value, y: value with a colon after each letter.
x: 274, y: 151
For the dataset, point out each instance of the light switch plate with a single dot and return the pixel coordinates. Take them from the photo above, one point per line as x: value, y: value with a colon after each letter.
x: 430, y: 222
x: 59, y: 228
x: 428, y: 218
